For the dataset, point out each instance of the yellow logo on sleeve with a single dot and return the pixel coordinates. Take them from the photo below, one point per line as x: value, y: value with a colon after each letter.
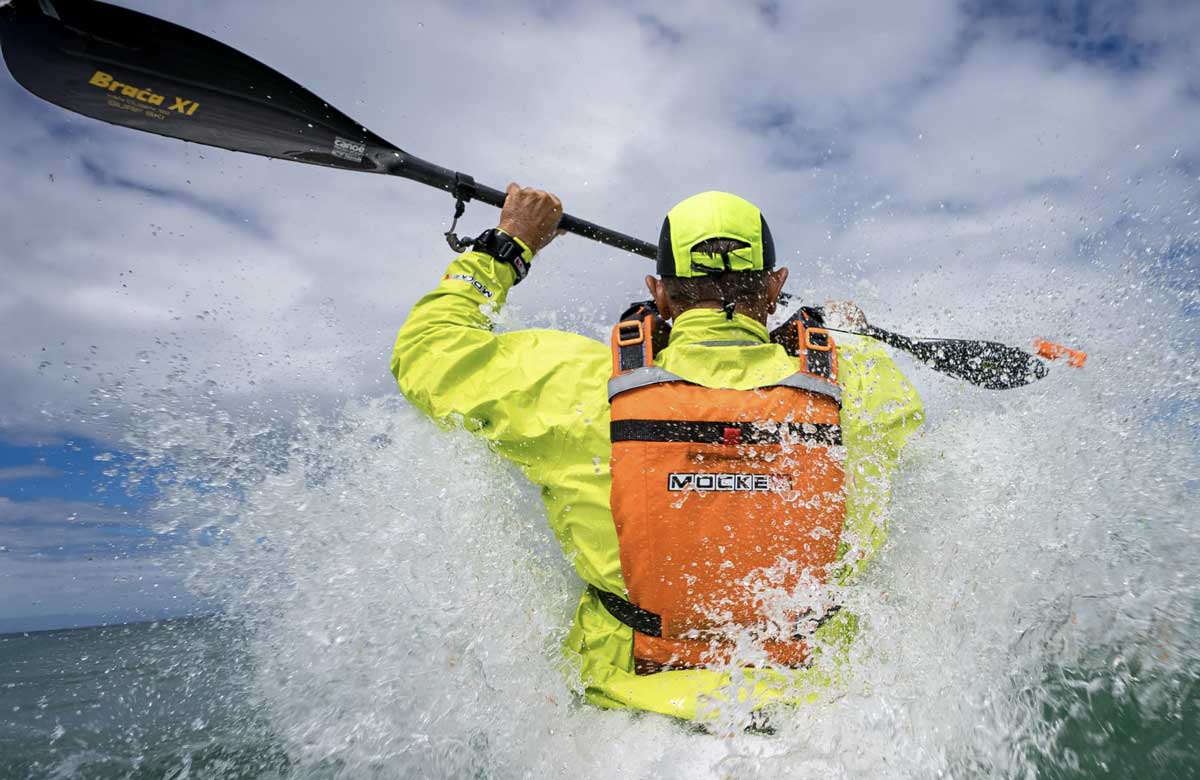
x: 147, y: 97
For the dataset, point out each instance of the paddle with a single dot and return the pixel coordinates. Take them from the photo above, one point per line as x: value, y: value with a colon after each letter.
x: 136, y: 71
x: 985, y: 363
x: 133, y: 70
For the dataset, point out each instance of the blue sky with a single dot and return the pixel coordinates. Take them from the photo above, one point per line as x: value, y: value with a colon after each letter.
x: 67, y: 509
x: 929, y: 159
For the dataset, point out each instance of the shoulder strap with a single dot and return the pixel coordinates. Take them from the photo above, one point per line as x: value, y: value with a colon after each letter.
x: 804, y: 336
x: 640, y: 333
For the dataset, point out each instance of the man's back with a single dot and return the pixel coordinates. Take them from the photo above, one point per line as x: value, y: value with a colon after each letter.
x: 540, y: 397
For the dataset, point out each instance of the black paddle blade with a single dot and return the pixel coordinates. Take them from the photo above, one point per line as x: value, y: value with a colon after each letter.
x: 133, y: 70
x: 984, y: 363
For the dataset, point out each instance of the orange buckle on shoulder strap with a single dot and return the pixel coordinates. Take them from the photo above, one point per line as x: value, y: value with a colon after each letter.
x: 633, y: 327
x: 823, y: 344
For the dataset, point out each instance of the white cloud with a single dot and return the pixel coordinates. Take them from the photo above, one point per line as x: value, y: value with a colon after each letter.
x: 1012, y: 120
x: 94, y: 590
x: 32, y: 471
x: 58, y: 527
x: 882, y: 142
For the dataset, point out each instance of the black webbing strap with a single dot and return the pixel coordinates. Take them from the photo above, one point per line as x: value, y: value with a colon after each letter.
x: 817, y: 361
x: 654, y: 329
x: 632, y: 615
x: 650, y: 624
x: 631, y: 344
x: 724, y: 432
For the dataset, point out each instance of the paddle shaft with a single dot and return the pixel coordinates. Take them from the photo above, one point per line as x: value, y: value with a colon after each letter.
x: 134, y: 70
x: 456, y: 183
x: 922, y: 350
x: 137, y: 71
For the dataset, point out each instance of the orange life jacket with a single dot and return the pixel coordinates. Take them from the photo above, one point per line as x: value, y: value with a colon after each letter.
x: 723, y: 500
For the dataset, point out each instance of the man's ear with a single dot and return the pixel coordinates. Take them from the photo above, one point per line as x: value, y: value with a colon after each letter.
x: 658, y: 291
x: 775, y: 283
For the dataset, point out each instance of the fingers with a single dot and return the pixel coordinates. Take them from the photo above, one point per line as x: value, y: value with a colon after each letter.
x: 531, y: 215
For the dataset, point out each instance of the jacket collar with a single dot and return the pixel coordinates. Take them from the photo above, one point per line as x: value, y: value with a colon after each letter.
x: 696, y: 326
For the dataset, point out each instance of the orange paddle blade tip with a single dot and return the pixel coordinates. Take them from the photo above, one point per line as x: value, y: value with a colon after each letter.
x: 1051, y: 351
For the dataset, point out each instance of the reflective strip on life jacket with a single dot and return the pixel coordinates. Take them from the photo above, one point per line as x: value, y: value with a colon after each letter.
x: 805, y: 381
x: 640, y: 377
x: 724, y: 432
x: 652, y: 375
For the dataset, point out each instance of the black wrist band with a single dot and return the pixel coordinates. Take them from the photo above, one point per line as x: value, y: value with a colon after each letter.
x: 504, y: 248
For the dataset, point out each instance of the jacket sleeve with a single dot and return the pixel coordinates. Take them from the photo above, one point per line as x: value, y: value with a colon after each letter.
x: 518, y: 390
x: 880, y: 411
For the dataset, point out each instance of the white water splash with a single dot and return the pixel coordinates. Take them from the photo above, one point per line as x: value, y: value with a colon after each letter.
x: 407, y: 602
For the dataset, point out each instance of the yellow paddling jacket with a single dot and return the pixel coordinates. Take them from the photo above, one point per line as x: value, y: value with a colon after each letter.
x: 539, y: 397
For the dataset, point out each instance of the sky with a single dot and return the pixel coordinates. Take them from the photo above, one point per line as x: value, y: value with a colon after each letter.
x: 922, y: 158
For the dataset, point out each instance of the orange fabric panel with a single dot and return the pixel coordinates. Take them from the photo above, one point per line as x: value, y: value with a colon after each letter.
x: 705, y: 558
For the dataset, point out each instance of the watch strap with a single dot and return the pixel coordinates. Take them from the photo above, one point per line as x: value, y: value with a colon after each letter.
x: 506, y: 249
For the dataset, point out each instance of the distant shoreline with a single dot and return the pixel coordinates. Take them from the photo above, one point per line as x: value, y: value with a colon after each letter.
x: 7, y: 633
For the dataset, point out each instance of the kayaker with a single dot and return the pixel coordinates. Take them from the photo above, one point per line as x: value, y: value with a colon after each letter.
x: 714, y: 485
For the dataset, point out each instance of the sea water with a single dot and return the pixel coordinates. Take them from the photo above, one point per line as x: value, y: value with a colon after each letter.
x: 156, y: 700
x: 394, y: 603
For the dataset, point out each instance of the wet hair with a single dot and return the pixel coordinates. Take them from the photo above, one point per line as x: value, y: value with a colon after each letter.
x: 737, y: 287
